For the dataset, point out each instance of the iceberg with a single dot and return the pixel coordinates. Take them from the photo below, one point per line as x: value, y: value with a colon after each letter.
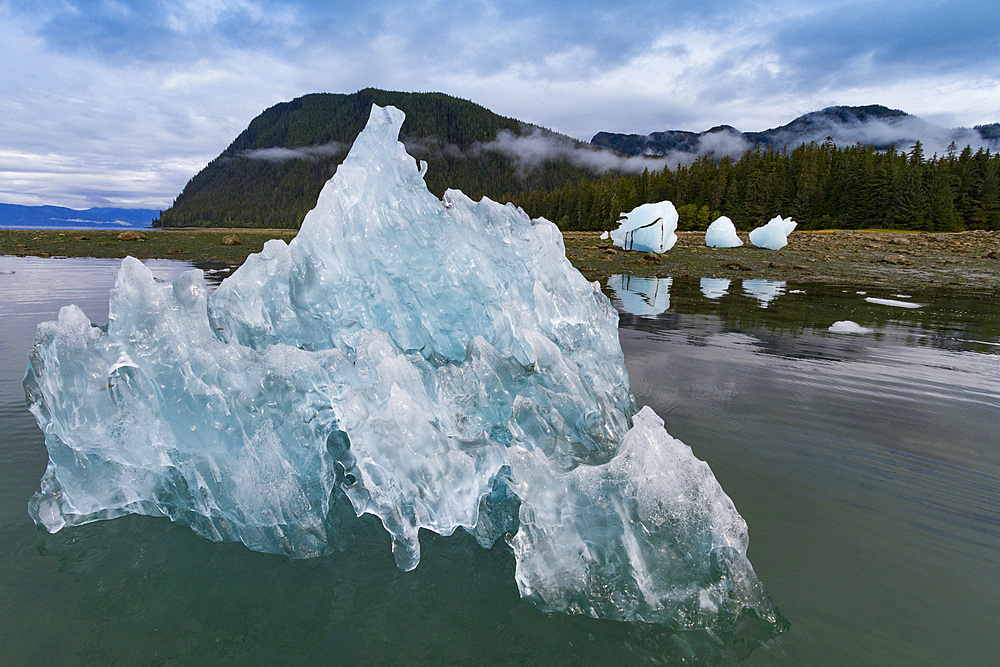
x: 722, y: 234
x: 645, y: 297
x: 765, y: 291
x: 436, y: 363
x: 773, y: 235
x: 848, y: 327
x: 647, y: 228
x: 893, y: 302
x: 714, y: 288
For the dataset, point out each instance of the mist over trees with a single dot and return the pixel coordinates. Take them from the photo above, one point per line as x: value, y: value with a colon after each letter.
x: 821, y: 186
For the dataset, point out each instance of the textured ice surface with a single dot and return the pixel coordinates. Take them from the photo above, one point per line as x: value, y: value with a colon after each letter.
x: 647, y: 228
x: 773, y: 235
x: 848, y: 327
x: 436, y: 363
x: 765, y: 291
x: 646, y: 297
x: 722, y: 234
x: 713, y: 288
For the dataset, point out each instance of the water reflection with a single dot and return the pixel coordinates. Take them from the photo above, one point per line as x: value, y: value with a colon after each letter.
x: 713, y: 288
x: 645, y: 297
x: 765, y: 291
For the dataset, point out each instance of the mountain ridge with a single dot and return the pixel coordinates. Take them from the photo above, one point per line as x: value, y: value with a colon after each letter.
x: 873, y: 125
x: 19, y: 216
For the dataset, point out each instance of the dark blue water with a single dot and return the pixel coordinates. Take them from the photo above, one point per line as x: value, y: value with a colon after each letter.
x: 867, y: 468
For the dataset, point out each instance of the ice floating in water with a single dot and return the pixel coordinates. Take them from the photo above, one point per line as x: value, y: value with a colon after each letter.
x: 773, y: 235
x: 848, y: 327
x: 713, y: 288
x: 646, y: 297
x: 648, y: 228
x: 764, y: 291
x: 437, y: 364
x: 893, y: 302
x: 722, y: 234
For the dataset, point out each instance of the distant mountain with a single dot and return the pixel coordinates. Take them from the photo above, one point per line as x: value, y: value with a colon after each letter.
x: 16, y: 216
x: 273, y: 171
x: 873, y: 125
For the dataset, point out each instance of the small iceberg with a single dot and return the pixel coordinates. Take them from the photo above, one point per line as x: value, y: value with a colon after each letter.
x: 893, y: 302
x: 713, y: 288
x: 773, y: 235
x: 765, y: 291
x: 848, y: 327
x: 722, y: 234
x: 647, y: 228
x: 645, y: 297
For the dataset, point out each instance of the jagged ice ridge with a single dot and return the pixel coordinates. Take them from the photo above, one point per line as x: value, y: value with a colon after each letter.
x: 436, y: 363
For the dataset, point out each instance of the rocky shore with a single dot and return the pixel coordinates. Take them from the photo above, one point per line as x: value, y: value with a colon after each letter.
x: 970, y: 259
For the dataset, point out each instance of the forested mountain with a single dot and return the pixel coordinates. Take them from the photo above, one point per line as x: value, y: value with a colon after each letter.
x: 272, y: 173
x: 873, y: 125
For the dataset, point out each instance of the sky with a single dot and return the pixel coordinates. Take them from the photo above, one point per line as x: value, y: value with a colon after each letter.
x: 115, y: 103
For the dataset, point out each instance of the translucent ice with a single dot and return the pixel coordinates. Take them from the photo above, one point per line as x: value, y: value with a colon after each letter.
x: 436, y: 363
x: 722, y: 234
x: 646, y: 297
x: 647, y: 228
x: 773, y: 235
x: 713, y: 288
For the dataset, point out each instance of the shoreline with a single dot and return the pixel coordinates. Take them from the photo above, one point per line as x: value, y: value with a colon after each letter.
x: 956, y: 259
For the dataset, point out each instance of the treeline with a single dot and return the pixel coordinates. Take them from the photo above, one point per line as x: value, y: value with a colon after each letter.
x: 819, y: 185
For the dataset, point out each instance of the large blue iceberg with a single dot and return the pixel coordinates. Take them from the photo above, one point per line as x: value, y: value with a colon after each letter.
x: 437, y: 363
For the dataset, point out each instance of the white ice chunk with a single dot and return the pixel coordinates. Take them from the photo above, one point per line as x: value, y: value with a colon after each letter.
x: 647, y: 228
x: 438, y: 364
x: 773, y: 235
x: 646, y: 297
x: 893, y: 302
x: 713, y: 288
x: 722, y: 234
x: 765, y: 291
x: 848, y: 327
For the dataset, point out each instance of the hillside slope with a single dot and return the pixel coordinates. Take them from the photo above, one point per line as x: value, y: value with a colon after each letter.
x: 273, y: 171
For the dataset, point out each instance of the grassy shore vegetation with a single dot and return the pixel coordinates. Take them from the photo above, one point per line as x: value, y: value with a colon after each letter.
x: 970, y: 258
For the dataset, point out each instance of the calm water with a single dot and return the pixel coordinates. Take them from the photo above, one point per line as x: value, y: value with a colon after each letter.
x: 867, y: 467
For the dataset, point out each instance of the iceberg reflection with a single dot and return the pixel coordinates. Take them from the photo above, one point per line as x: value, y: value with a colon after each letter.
x: 645, y: 297
x: 713, y: 288
x: 765, y: 291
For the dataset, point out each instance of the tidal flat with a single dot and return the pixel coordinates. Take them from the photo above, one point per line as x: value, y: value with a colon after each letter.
x: 967, y: 259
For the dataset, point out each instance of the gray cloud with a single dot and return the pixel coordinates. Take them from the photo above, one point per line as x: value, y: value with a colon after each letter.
x: 129, y: 125
x: 279, y: 154
x: 530, y: 150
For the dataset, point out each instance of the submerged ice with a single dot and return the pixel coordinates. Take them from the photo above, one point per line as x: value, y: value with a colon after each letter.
x: 438, y: 364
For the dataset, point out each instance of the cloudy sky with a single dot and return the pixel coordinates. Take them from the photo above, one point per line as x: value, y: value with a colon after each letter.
x: 111, y: 102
